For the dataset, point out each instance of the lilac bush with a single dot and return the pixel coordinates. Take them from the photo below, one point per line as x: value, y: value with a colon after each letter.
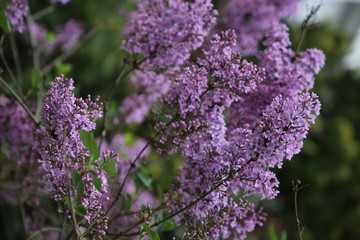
x: 227, y: 119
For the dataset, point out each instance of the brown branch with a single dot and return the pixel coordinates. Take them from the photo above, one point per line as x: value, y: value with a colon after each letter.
x: 296, y: 189
x: 307, y: 24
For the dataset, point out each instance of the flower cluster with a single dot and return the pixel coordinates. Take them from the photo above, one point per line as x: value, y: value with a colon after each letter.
x: 251, y: 18
x: 149, y: 87
x: 62, y: 152
x: 165, y: 32
x: 17, y: 132
x: 237, y: 153
x: 16, y: 12
x: 66, y: 37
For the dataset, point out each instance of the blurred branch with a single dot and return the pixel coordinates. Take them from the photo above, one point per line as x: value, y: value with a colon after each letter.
x: 18, y: 99
x: 46, y: 229
x: 296, y: 189
x: 307, y: 24
x: 6, y: 64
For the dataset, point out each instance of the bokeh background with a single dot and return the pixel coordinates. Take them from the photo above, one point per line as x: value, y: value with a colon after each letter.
x: 329, y: 207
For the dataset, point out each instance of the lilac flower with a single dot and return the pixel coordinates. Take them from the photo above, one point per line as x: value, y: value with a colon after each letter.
x: 165, y: 32
x: 17, y: 132
x: 251, y: 18
x: 287, y: 74
x: 149, y: 86
x: 46, y: 47
x: 15, y: 13
x: 62, y: 152
x: 68, y: 35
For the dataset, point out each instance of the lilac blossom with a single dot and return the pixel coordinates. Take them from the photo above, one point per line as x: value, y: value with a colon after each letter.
x: 223, y: 157
x: 45, y: 46
x: 16, y: 11
x: 287, y: 74
x: 251, y: 18
x: 62, y: 152
x: 68, y: 35
x: 165, y: 32
x: 17, y: 132
x: 149, y: 88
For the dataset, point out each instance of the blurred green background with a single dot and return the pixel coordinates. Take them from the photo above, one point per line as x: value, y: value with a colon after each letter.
x: 329, y: 164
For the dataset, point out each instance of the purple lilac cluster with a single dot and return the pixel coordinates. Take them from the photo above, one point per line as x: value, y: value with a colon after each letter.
x: 149, y: 87
x: 17, y: 132
x: 165, y: 32
x: 251, y: 18
x: 287, y: 74
x: 223, y: 156
x: 68, y: 35
x: 62, y: 152
x: 15, y: 13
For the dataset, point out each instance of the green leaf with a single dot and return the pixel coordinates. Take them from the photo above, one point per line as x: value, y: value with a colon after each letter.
x: 272, y: 233
x: 80, y: 190
x: 75, y: 176
x: 90, y: 144
x: 168, y: 226
x: 145, y: 179
x: 35, y: 80
x: 151, y: 233
x: 97, y: 182
x: 110, y: 167
x: 4, y: 23
x: 62, y: 68
x: 283, y: 235
x: 129, y: 139
x: 81, y: 210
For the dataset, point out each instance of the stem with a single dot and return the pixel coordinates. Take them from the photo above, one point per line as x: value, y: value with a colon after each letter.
x: 23, y: 216
x: 18, y: 99
x: 46, y: 70
x: 306, y: 25
x: 18, y: 66
x: 296, y: 189
x: 107, y: 100
x: 37, y: 64
x: 73, y: 216
x: 43, y: 12
x: 191, y: 204
x: 46, y: 229
x: 6, y: 64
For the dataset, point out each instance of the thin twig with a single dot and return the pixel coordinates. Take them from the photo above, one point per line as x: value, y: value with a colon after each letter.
x: 18, y: 66
x: 191, y: 204
x: 296, y: 189
x: 43, y: 12
x: 6, y: 64
x: 307, y: 24
x: 18, y: 99
x: 46, y: 70
x: 46, y: 229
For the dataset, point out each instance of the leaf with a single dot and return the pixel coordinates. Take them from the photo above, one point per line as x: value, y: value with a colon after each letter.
x: 4, y: 23
x: 35, y: 80
x: 283, y: 236
x: 97, y: 182
x: 75, y: 176
x: 90, y: 144
x: 129, y: 139
x: 151, y: 233
x: 110, y: 167
x: 272, y: 233
x: 168, y: 226
x: 145, y: 179
x: 81, y: 210
x: 80, y: 189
